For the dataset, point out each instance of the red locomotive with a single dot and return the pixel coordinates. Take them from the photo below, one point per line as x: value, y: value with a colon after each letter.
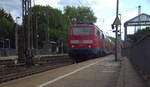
x: 87, y: 40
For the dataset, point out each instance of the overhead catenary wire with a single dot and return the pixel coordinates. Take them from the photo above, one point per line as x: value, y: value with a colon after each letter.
x: 48, y: 4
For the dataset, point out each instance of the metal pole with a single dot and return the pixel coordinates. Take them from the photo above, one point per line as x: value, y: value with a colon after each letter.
x: 16, y: 34
x: 135, y: 29
x: 62, y: 47
x: 26, y: 14
x: 120, y: 39
x: 116, y: 42
x: 119, y: 42
x: 35, y: 30
x: 139, y: 12
x: 120, y: 25
x: 9, y: 43
x: 125, y: 36
x: 47, y: 30
x: 3, y: 43
x: 116, y: 46
x: 47, y: 36
x: 117, y: 8
x: 31, y: 27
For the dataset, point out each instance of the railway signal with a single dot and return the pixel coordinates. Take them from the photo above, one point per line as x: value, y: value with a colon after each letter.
x: 117, y: 41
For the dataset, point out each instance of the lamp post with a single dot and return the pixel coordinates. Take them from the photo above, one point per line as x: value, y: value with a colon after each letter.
x: 16, y: 35
x: 116, y: 23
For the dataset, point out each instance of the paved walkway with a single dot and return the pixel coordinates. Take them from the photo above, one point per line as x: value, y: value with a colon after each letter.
x: 129, y: 76
x: 100, y: 72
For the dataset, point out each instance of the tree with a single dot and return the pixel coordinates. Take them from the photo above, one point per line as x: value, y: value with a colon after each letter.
x: 6, y: 15
x: 7, y: 27
x: 80, y: 14
x: 58, y: 24
x: 139, y: 34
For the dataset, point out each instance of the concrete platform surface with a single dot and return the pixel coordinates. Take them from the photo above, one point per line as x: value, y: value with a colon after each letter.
x: 129, y: 76
x: 100, y: 72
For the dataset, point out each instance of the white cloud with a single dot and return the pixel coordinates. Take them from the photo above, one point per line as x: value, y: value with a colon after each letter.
x: 129, y: 15
x: 53, y: 3
x: 105, y: 12
x: 101, y: 4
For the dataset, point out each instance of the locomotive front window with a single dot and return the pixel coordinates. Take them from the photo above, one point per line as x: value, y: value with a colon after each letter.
x: 82, y: 30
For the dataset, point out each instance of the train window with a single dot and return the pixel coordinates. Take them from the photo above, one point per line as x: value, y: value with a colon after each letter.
x: 103, y: 36
x: 82, y: 30
x: 98, y: 33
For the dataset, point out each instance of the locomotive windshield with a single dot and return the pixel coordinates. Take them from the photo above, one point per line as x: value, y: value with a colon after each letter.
x: 82, y: 30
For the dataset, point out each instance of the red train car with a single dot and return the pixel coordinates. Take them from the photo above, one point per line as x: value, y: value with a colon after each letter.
x: 86, y: 40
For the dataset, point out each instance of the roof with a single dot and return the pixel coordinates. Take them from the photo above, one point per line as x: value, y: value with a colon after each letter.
x: 140, y: 20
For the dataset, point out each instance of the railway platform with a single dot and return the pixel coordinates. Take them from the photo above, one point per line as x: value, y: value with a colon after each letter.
x: 99, y: 72
x: 129, y: 77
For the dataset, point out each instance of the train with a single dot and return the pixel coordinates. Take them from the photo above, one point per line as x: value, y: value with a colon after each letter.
x: 88, y: 40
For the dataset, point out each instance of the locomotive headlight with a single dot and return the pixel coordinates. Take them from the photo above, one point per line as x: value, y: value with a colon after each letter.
x: 87, y: 41
x: 89, y: 46
x: 72, y: 46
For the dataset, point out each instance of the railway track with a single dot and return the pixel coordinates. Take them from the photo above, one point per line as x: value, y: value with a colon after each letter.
x: 42, y: 65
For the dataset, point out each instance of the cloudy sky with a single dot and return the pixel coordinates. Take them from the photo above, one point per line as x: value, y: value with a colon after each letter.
x: 105, y: 10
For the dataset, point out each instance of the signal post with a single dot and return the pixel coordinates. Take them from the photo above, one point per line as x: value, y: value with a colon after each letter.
x: 115, y: 24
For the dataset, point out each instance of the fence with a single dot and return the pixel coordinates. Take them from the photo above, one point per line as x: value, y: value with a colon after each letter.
x: 4, y: 52
x: 139, y: 54
x: 7, y: 52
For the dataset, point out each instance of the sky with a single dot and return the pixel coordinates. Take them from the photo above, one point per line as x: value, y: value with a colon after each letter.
x: 104, y: 10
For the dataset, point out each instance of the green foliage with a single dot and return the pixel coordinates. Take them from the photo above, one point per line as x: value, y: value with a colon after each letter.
x: 58, y: 24
x: 112, y: 39
x: 139, y: 34
x: 80, y: 14
x: 143, y: 31
x: 7, y: 26
x: 6, y: 15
